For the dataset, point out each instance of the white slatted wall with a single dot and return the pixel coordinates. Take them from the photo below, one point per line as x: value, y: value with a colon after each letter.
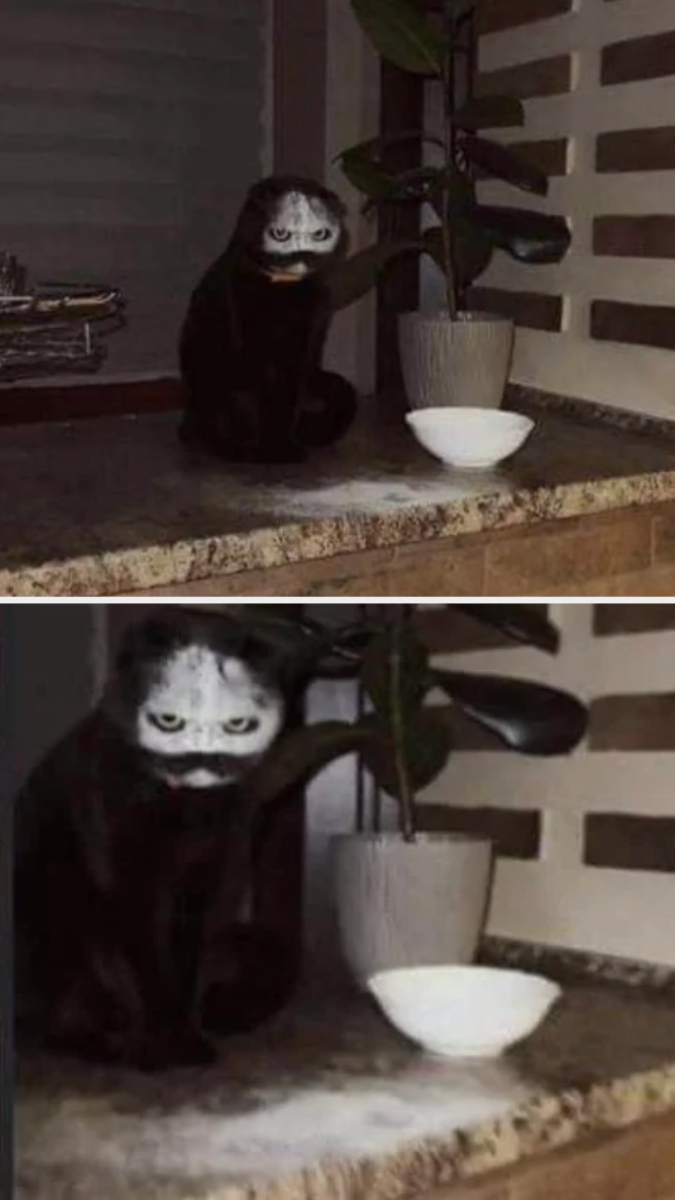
x: 578, y: 359
x: 130, y: 131
x: 555, y: 898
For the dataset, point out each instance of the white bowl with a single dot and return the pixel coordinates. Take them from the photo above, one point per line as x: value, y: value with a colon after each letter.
x: 463, y: 1011
x: 469, y: 437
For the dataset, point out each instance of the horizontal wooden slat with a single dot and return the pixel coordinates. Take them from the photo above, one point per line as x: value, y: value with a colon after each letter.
x: 632, y: 618
x: 448, y: 631
x: 650, y: 149
x: 542, y: 77
x: 644, y: 721
x: 638, y: 58
x: 548, y: 154
x: 507, y: 14
x: 534, y: 310
x: 650, y: 236
x: 629, y: 843
x: 636, y: 324
x: 516, y: 833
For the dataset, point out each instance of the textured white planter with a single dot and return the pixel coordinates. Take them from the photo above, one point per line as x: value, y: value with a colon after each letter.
x: 408, y: 904
x: 464, y: 362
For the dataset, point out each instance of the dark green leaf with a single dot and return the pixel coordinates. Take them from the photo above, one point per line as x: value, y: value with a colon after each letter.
x: 432, y: 243
x: 529, y: 717
x: 471, y: 252
x: 299, y: 755
x: 517, y: 621
x: 301, y: 648
x: 401, y: 33
x: 472, y: 256
x: 490, y: 112
x: 295, y: 646
x: 530, y: 237
x: 456, y: 188
x: 461, y: 8
x: 426, y: 746
x: 327, y: 649
x: 417, y: 183
x: 412, y: 186
x: 500, y: 162
x: 354, y: 277
x: 378, y: 674
x: 365, y: 174
x: 374, y: 148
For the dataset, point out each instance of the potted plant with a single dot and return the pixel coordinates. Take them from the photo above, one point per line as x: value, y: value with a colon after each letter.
x: 410, y: 897
x: 456, y: 355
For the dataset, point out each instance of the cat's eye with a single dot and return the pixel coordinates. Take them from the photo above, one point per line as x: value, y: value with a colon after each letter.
x: 280, y: 235
x: 241, y: 725
x: 167, y: 722
x: 321, y: 235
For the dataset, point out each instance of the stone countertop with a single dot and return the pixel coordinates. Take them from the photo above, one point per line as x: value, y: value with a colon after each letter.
x: 114, y: 505
x: 330, y: 1102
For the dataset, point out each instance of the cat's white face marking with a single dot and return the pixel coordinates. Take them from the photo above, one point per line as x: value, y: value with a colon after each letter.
x: 204, y: 704
x: 300, y: 225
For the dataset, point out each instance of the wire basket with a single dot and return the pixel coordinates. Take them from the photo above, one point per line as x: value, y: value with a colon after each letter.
x: 44, y: 351
x: 51, y: 329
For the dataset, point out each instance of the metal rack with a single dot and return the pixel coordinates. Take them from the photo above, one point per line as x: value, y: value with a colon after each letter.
x: 57, y: 327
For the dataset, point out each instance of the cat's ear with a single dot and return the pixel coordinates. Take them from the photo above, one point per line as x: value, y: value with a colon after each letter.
x: 286, y: 650
x: 152, y: 638
x: 144, y: 646
x: 172, y: 626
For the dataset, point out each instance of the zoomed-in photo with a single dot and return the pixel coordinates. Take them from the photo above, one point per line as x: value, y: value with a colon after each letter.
x: 337, y: 298
x: 356, y: 900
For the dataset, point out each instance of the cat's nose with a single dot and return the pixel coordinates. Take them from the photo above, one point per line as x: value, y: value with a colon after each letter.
x: 206, y: 740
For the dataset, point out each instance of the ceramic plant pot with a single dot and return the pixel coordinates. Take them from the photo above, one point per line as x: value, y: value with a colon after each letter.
x: 404, y: 904
x: 462, y: 362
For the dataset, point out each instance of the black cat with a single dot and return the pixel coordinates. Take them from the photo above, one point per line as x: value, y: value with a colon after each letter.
x: 130, y: 942
x: 253, y: 339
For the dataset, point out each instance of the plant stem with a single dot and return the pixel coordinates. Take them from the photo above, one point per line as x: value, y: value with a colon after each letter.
x: 448, y: 84
x: 359, y: 823
x: 405, y: 793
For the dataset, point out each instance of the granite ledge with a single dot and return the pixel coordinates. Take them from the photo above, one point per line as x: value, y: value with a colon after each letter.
x: 330, y: 1103
x: 112, y: 506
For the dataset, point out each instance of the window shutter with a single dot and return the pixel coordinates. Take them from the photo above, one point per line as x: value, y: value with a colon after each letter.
x: 130, y: 130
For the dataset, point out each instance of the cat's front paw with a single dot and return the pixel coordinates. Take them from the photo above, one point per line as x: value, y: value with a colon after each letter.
x: 160, y: 1052
x: 282, y: 452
